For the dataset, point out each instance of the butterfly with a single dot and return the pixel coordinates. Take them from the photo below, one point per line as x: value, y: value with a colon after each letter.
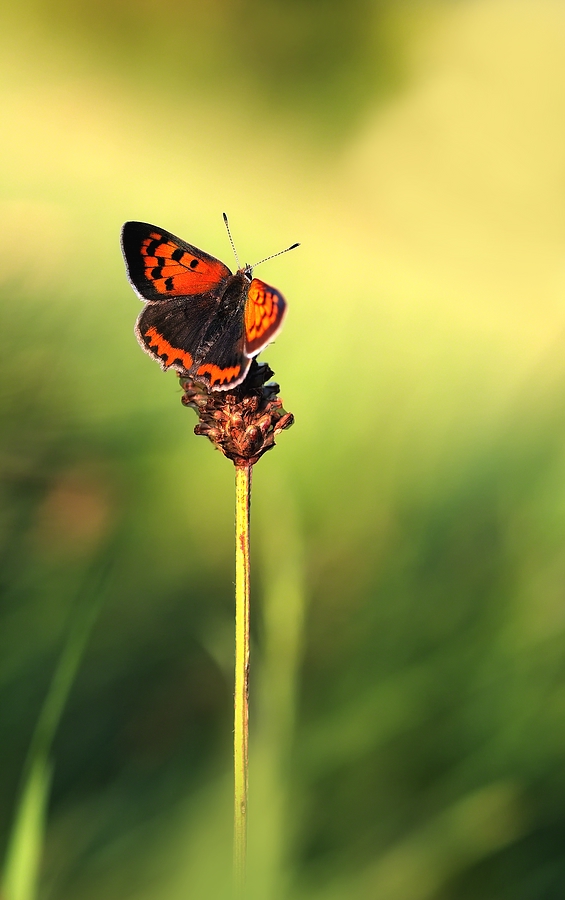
x: 198, y: 318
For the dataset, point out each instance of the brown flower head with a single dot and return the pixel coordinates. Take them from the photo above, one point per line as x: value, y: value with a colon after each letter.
x: 243, y: 421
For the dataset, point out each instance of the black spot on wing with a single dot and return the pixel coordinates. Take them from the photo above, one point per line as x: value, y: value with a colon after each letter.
x: 152, y: 246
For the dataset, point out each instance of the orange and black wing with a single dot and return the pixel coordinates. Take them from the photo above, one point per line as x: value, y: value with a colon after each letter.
x: 182, y: 287
x: 225, y: 365
x: 264, y: 313
x: 186, y: 337
x: 161, y: 265
x: 171, y: 331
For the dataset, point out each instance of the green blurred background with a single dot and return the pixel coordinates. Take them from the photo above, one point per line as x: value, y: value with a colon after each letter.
x: 408, y: 534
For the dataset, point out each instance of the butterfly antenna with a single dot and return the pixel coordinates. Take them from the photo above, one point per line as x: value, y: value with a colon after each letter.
x: 226, y: 223
x: 280, y: 253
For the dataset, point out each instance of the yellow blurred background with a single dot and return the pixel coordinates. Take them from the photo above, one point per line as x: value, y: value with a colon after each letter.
x: 408, y: 659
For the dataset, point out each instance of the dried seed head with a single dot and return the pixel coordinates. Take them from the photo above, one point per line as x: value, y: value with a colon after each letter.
x: 243, y: 422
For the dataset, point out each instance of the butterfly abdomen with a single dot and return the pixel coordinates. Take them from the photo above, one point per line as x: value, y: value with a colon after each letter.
x: 225, y: 328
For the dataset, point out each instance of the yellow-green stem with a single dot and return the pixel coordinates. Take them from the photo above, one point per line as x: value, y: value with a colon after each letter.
x: 241, y: 691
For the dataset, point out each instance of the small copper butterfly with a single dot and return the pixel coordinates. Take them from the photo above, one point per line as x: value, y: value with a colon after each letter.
x: 198, y: 318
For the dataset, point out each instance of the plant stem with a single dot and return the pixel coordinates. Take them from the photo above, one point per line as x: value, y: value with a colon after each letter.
x: 241, y: 691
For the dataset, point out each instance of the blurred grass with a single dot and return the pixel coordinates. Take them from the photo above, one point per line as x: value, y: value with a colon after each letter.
x: 27, y: 838
x: 408, y: 532
x: 319, y: 61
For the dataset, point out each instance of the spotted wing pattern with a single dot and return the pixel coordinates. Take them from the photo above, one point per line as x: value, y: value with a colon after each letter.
x: 264, y: 313
x: 161, y: 265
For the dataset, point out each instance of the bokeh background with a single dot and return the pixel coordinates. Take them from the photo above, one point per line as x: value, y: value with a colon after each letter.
x: 408, y: 534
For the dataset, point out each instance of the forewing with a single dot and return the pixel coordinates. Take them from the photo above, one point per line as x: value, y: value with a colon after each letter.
x: 161, y: 265
x: 264, y: 313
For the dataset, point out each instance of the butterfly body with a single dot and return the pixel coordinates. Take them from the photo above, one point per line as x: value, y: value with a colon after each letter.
x: 198, y: 318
